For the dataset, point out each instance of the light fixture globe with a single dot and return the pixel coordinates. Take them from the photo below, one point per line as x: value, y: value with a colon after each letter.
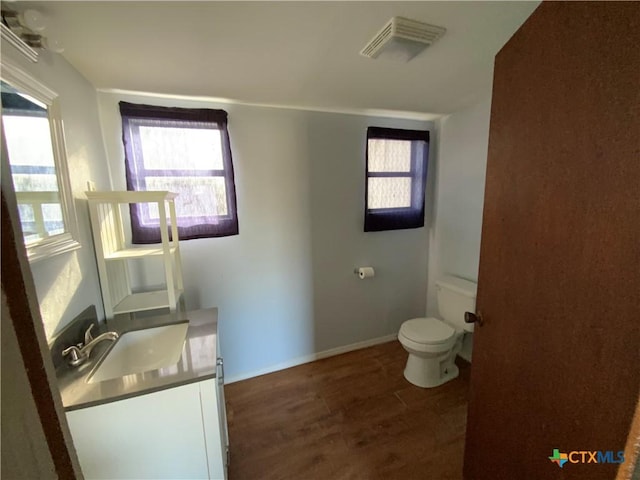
x: 33, y: 20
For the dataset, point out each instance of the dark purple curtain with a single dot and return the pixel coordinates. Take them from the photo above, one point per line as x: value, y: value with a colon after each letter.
x: 206, y: 204
x: 379, y: 219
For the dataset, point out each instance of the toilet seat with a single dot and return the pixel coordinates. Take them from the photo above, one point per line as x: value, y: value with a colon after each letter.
x: 427, y: 332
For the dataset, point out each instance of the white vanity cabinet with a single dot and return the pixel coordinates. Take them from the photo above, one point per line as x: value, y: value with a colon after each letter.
x: 175, y: 433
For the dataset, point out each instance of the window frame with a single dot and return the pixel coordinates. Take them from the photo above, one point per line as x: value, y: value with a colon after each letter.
x: 69, y: 240
x: 135, y: 116
x: 399, y: 218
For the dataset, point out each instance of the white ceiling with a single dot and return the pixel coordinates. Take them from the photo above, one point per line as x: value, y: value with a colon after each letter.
x: 303, y: 54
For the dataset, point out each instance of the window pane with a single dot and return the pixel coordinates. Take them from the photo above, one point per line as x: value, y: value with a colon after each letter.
x: 29, y: 141
x: 385, y: 192
x: 35, y: 182
x: 389, y: 155
x: 52, y: 214
x: 181, y: 148
x: 39, y: 219
x: 197, y: 196
x: 32, y: 164
x: 27, y: 219
x: 186, y: 151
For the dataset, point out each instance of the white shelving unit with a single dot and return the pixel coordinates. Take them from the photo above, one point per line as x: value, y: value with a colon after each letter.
x: 113, y: 254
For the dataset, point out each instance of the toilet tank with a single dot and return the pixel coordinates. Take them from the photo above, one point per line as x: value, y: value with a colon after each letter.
x: 455, y: 297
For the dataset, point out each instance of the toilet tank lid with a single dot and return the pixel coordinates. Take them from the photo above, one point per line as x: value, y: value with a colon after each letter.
x: 459, y: 285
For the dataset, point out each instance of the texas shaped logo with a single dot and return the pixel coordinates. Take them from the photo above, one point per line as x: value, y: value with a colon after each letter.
x: 559, y: 458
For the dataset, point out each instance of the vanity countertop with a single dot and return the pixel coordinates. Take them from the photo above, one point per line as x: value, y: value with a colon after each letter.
x: 197, y: 362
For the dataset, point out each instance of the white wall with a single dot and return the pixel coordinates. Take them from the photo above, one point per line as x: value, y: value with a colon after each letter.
x: 285, y: 286
x: 68, y: 283
x: 460, y: 174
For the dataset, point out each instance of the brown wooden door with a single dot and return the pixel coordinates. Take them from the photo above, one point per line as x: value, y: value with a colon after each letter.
x: 557, y: 362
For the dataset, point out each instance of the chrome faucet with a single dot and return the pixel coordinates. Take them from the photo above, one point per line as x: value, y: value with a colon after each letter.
x: 78, y: 354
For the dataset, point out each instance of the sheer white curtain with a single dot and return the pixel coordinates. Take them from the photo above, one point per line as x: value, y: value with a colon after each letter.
x: 185, y: 151
x: 396, y: 178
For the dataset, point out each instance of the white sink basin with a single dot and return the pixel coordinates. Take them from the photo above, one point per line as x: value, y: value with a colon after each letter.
x: 142, y: 351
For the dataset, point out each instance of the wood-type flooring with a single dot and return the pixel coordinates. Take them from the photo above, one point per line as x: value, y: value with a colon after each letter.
x: 352, y: 416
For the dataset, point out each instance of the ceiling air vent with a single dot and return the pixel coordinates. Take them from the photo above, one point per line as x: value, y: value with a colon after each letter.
x: 402, y: 39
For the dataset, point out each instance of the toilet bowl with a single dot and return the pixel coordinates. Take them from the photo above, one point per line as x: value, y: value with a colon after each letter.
x: 431, y: 346
x: 432, y: 343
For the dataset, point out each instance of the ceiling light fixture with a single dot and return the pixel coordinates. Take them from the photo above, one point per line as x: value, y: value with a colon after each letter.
x: 402, y: 39
x: 33, y: 20
x: 29, y: 26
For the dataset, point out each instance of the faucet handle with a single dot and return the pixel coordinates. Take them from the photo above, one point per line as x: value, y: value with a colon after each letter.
x: 87, y: 335
x: 75, y: 354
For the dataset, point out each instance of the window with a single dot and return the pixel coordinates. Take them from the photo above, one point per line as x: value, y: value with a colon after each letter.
x: 396, y: 178
x: 186, y: 151
x: 34, y: 158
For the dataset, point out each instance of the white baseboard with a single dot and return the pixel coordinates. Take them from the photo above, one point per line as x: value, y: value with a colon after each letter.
x: 310, y: 358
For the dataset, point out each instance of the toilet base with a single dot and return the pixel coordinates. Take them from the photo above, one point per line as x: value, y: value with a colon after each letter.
x: 430, y: 372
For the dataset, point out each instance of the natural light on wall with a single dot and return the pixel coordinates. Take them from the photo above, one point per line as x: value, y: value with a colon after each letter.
x: 55, y: 301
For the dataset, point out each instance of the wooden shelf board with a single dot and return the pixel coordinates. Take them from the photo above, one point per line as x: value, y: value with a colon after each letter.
x: 138, y: 302
x: 138, y: 252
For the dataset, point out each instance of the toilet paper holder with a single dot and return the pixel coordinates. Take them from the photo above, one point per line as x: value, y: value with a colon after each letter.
x: 364, y: 272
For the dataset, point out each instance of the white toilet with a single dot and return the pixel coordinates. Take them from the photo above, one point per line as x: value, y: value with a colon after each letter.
x: 433, y: 343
